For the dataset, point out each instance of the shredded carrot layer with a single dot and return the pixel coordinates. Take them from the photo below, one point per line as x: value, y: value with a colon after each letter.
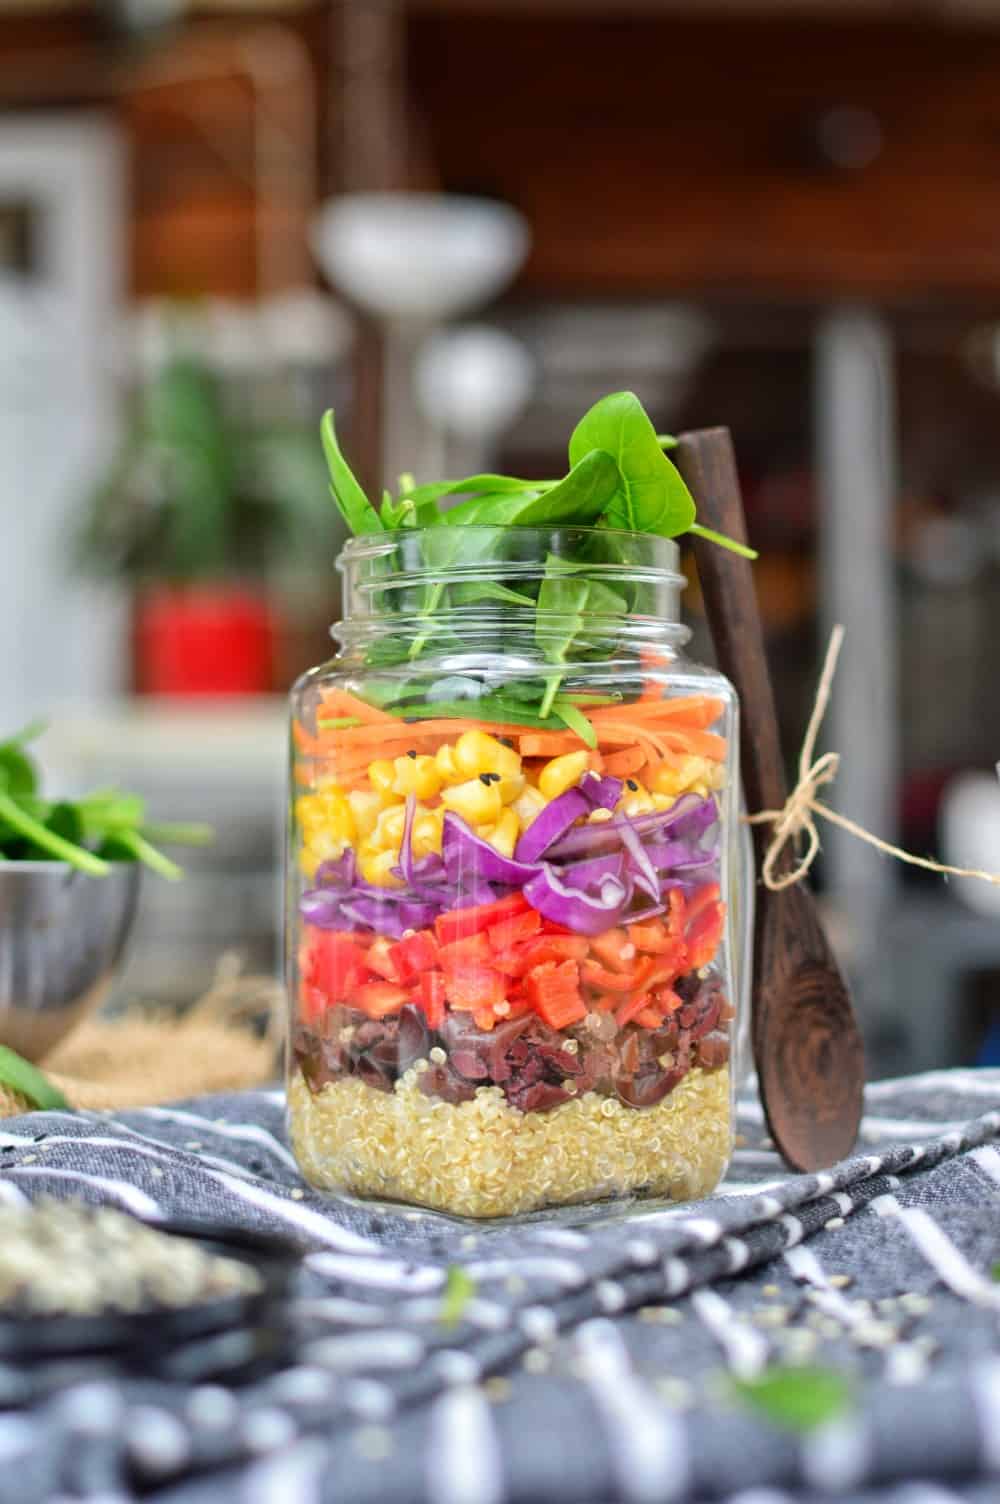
x: 630, y: 738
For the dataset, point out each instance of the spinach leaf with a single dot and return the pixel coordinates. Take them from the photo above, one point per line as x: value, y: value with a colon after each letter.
x: 563, y: 599
x: 459, y: 1289
x: 581, y: 497
x: 472, y: 486
x: 651, y: 496
x: 743, y: 549
x: 798, y: 1398
x: 355, y: 508
x: 17, y: 770
x: 573, y: 717
x: 25, y: 1080
x: 472, y: 593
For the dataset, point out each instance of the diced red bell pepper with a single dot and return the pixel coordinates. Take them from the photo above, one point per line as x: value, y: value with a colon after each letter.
x: 431, y: 998
x: 676, y: 912
x: 312, y: 1003
x: 473, y: 987
x: 703, y: 899
x: 556, y: 948
x: 380, y: 960
x: 554, y: 992
x: 653, y: 936
x: 631, y: 1008
x: 336, y: 966
x: 667, y: 1001
x: 462, y: 922
x: 522, y: 958
x: 379, y: 998
x: 615, y: 949
x: 471, y: 948
x: 703, y: 935
x: 502, y: 937
x: 414, y: 955
x: 603, y: 980
x: 553, y: 927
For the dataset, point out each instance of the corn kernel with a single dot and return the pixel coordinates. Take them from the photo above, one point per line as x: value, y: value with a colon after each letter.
x: 365, y: 807
x: 309, y: 813
x: 512, y: 788
x: 388, y: 832
x: 663, y: 801
x: 382, y: 775
x: 319, y: 847
x: 634, y: 801
x: 476, y: 752
x: 427, y: 832
x: 503, y: 835
x: 444, y: 761
x: 477, y: 802
x: 416, y: 775
x: 562, y: 773
x: 376, y: 867
x: 527, y: 805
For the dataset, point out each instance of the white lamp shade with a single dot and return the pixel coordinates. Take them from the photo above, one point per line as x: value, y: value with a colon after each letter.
x: 419, y: 256
x: 474, y: 381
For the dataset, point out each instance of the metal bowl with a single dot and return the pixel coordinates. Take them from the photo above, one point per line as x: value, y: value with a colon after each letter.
x: 62, y: 934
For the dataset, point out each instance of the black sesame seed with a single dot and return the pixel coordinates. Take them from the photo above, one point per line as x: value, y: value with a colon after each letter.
x: 506, y: 741
x: 485, y: 778
x: 633, y: 785
x: 411, y: 753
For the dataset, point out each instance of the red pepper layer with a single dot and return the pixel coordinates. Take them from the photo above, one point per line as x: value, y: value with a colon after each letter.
x: 503, y: 960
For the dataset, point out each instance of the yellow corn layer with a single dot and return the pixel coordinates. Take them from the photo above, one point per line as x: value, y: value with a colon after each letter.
x: 482, y: 780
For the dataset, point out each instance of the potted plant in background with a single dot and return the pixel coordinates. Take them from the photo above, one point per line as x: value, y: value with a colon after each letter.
x: 206, y: 514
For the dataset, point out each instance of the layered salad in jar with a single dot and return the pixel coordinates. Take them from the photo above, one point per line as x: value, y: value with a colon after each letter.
x: 509, y: 937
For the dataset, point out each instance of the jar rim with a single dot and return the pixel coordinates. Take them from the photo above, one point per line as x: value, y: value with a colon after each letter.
x: 662, y: 554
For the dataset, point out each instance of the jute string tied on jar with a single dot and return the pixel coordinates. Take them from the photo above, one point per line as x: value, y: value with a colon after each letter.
x: 797, y: 818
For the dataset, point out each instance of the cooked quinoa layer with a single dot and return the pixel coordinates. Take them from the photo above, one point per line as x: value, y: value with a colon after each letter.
x: 485, y: 1158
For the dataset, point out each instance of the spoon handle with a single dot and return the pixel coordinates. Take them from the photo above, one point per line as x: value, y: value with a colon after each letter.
x: 807, y: 1048
x: 708, y: 464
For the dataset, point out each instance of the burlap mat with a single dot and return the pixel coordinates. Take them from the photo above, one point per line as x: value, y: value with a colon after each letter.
x: 142, y: 1058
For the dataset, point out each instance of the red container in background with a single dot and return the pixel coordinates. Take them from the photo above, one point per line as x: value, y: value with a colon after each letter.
x: 203, y: 640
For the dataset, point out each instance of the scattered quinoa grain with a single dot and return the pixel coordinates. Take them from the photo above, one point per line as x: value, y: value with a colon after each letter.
x: 841, y: 1281
x: 771, y: 1290
x: 497, y: 1389
x: 536, y: 1360
x: 437, y: 1055
x: 675, y: 1392
x: 834, y: 1222
x: 374, y: 1443
x: 298, y: 1194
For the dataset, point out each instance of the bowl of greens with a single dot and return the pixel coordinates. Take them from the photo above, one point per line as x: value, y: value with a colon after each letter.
x: 69, y: 886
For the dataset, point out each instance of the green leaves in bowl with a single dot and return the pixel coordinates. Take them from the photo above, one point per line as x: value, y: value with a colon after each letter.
x: 89, y: 833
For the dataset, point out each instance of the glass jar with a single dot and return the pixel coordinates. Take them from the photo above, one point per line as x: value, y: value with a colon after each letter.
x: 513, y: 935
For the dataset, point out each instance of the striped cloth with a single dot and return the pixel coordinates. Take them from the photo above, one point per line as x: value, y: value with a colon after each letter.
x: 602, y: 1356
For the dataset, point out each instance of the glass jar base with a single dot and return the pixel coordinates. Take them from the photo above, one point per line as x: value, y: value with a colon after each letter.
x: 485, y: 1159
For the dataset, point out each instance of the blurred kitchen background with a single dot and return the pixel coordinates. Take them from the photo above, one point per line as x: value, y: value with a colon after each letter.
x: 783, y: 217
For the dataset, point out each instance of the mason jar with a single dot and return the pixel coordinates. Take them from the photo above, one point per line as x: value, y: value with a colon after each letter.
x: 516, y: 934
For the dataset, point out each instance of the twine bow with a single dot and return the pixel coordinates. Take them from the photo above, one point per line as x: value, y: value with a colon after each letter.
x: 797, y: 817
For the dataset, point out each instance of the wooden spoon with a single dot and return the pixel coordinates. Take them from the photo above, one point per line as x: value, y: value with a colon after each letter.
x: 806, y: 1043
